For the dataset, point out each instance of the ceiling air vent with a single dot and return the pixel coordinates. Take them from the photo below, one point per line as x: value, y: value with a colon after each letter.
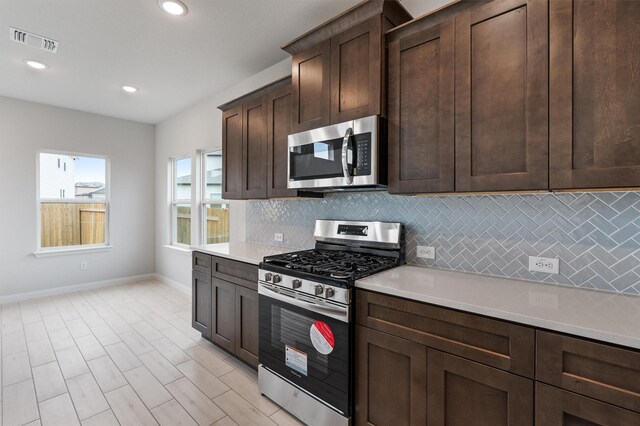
x: 33, y: 40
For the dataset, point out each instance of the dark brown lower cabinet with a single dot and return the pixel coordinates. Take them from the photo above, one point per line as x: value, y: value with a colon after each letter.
x: 225, y: 305
x: 462, y: 392
x: 201, y: 303
x: 399, y: 382
x: 391, y: 379
x: 557, y: 407
x: 247, y: 325
x: 223, y: 329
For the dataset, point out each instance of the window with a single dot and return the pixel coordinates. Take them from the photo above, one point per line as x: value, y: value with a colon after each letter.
x: 215, y: 211
x: 181, y: 201
x: 73, y: 200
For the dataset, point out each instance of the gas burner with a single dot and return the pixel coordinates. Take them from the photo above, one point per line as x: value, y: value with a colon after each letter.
x: 339, y: 264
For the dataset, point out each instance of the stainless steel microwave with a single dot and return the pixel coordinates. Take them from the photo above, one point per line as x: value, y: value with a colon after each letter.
x: 350, y: 155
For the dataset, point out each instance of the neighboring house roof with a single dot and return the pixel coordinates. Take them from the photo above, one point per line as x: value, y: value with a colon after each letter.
x: 184, y: 180
x: 213, y: 178
x: 89, y: 185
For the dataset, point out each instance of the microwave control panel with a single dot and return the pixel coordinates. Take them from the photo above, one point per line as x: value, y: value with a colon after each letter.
x: 363, y: 154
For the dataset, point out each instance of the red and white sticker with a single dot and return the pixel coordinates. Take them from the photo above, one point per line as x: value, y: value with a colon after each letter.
x: 322, y: 337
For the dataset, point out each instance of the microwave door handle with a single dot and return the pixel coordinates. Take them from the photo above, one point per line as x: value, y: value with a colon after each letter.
x: 345, y: 147
x: 341, y: 314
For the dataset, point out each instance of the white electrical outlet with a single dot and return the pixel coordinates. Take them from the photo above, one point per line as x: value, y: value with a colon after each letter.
x: 278, y: 237
x: 425, y: 252
x: 84, y: 265
x: 544, y: 264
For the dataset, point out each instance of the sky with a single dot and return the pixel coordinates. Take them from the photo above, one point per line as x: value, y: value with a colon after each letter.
x: 88, y: 169
x: 183, y: 167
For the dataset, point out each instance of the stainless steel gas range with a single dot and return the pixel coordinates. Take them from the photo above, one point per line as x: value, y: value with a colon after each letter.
x: 306, y: 330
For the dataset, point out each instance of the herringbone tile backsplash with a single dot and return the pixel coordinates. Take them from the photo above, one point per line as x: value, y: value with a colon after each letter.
x: 595, y: 235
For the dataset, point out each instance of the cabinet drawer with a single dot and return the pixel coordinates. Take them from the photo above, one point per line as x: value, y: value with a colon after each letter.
x: 495, y: 343
x: 597, y: 370
x: 201, y: 262
x: 557, y: 407
x: 240, y: 273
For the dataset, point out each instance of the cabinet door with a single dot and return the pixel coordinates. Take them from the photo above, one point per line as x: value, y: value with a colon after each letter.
x: 501, y: 97
x: 462, y: 392
x: 557, y: 407
x: 223, y: 327
x: 201, y: 301
x: 421, y: 118
x: 247, y: 325
x: 310, y: 87
x: 356, y: 63
x: 278, y: 129
x: 594, y: 94
x: 233, y: 159
x: 254, y: 149
x: 391, y: 380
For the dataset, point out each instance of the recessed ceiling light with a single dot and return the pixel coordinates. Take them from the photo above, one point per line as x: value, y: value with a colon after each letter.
x: 35, y: 64
x: 129, y: 89
x: 174, y: 7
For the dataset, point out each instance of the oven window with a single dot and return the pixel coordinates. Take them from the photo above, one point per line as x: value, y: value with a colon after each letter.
x: 286, y: 348
x: 293, y: 330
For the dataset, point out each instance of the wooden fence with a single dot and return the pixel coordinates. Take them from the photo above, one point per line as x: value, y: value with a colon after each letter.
x: 217, y: 225
x: 67, y: 224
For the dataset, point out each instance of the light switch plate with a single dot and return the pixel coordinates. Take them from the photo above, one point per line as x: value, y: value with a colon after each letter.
x: 278, y: 237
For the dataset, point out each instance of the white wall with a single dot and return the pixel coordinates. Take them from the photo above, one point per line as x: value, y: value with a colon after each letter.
x: 199, y: 127
x: 27, y: 127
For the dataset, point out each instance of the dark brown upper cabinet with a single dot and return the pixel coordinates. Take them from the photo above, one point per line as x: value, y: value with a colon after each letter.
x: 310, y: 83
x: 421, y: 110
x: 278, y: 128
x: 355, y: 72
x: 233, y: 159
x: 254, y: 148
x: 255, y: 129
x: 338, y: 68
x: 594, y: 94
x: 501, y: 103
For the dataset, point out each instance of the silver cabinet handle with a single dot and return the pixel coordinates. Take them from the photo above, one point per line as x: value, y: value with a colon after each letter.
x: 341, y: 314
x: 345, y: 148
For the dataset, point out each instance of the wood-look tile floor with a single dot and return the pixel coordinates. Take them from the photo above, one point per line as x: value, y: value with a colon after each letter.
x: 121, y: 355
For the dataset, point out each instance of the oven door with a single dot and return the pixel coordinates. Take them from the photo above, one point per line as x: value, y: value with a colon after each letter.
x: 307, y: 343
x: 339, y: 155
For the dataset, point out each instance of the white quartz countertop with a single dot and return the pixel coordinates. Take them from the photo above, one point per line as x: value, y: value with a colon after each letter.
x: 242, y: 251
x: 608, y: 317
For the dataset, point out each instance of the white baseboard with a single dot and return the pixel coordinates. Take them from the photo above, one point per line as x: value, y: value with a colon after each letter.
x: 172, y: 283
x: 71, y: 288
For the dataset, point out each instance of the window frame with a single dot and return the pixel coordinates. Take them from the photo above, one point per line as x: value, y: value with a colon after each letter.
x: 39, y: 201
x: 174, y: 202
x: 203, y: 194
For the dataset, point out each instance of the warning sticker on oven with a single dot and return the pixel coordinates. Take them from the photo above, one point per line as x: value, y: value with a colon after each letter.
x: 322, y: 337
x: 295, y: 359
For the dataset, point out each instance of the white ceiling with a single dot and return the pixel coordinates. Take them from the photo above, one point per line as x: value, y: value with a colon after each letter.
x: 174, y: 61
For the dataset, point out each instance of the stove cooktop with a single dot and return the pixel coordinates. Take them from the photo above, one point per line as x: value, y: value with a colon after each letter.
x: 337, y: 264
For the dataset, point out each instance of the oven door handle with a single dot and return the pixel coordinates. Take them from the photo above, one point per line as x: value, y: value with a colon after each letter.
x: 346, y: 141
x: 341, y: 314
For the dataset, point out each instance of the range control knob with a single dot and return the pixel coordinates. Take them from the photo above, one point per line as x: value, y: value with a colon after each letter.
x: 267, y: 276
x: 277, y: 278
x: 329, y: 292
x: 318, y: 290
x: 296, y: 284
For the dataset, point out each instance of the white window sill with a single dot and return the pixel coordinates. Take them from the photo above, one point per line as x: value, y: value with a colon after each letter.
x: 68, y: 251
x: 181, y: 250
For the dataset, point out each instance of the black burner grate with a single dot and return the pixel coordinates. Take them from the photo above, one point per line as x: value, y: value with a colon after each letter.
x: 334, y: 263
